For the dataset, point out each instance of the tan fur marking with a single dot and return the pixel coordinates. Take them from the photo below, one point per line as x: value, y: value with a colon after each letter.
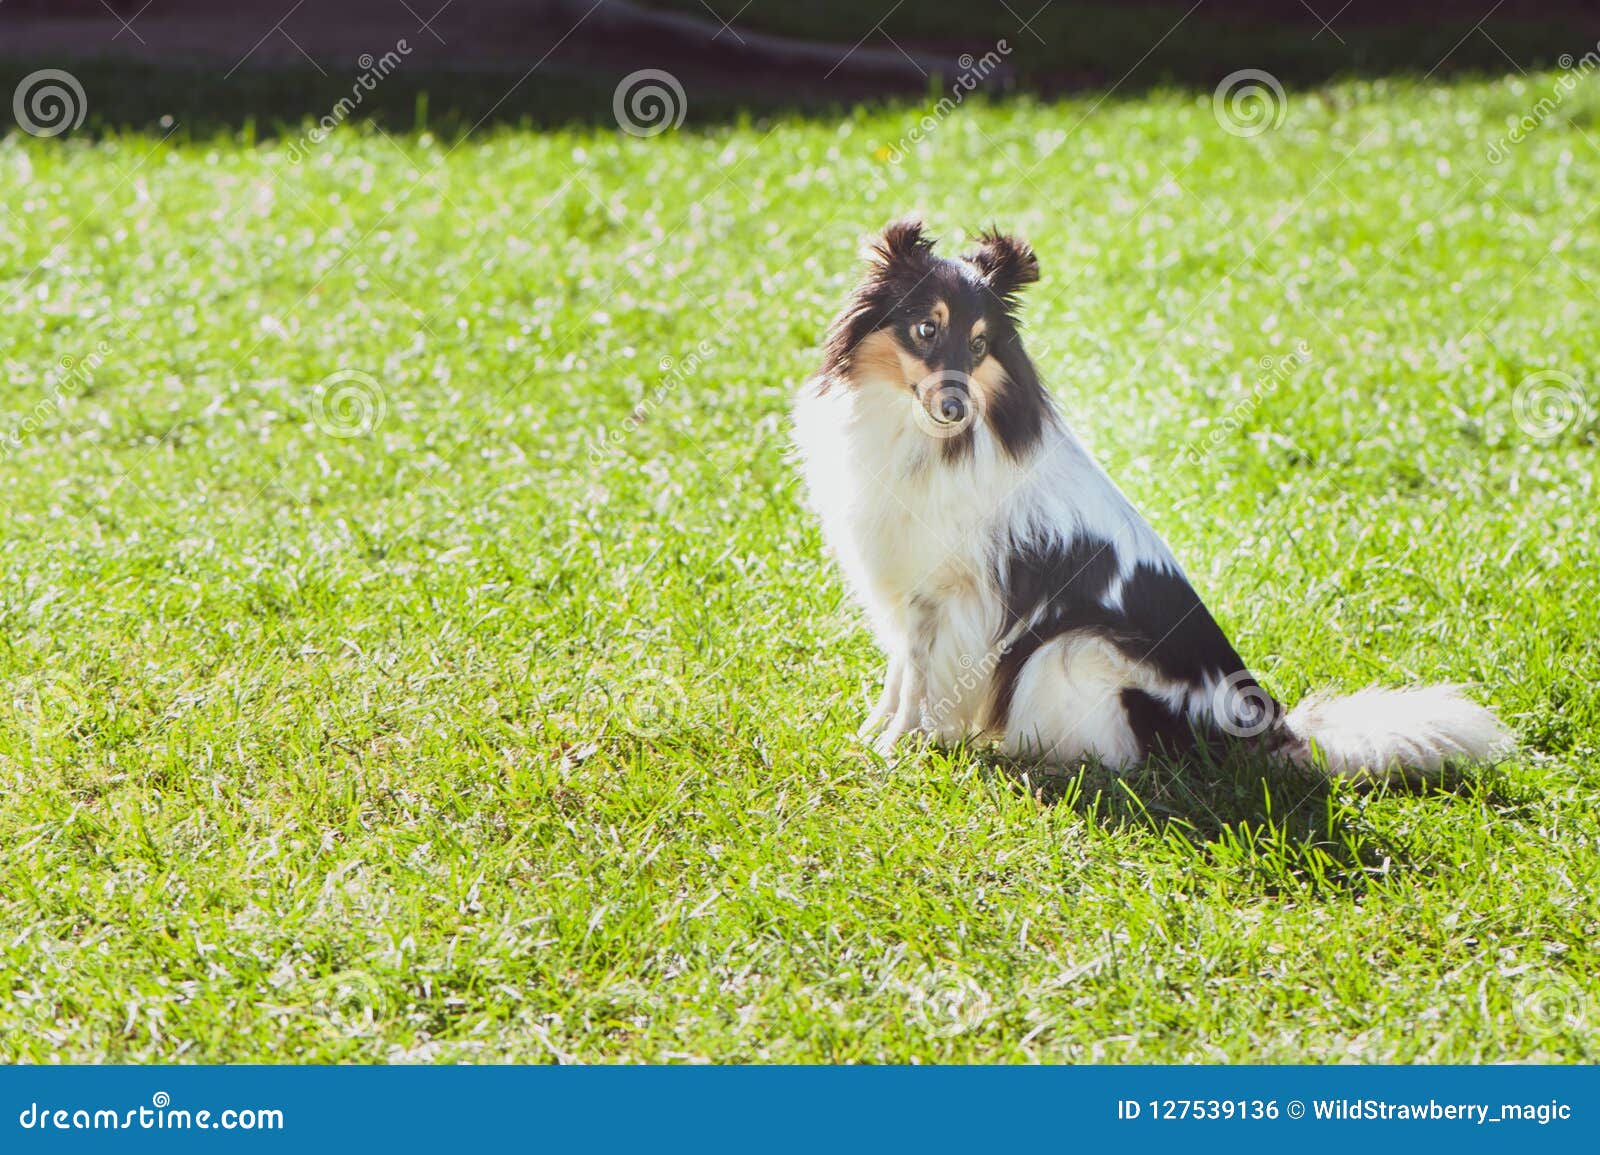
x: 990, y: 378
x: 881, y: 357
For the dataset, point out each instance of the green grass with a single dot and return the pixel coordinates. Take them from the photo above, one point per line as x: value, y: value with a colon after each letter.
x: 518, y: 726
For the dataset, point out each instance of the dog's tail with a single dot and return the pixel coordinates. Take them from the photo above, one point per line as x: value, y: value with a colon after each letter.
x: 1382, y: 735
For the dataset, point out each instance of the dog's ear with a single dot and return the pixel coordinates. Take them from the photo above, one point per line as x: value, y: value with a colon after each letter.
x: 1006, y: 262
x: 901, y: 242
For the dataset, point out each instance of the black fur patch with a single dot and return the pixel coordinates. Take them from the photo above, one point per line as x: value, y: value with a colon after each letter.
x: 1067, y: 582
x: 1161, y: 621
x: 1063, y: 585
x: 1018, y: 417
x: 1007, y: 264
x: 1156, y: 726
x: 1185, y: 642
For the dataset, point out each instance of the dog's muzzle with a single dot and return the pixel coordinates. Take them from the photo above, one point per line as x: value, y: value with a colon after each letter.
x: 946, y: 403
x: 952, y: 406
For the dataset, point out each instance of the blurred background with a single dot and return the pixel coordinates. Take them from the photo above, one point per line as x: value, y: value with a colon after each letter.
x: 471, y: 62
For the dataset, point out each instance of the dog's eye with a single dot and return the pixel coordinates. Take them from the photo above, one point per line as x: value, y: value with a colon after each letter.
x: 979, y: 346
x: 925, y: 330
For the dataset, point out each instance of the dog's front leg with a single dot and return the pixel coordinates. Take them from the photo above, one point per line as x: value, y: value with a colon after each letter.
x: 888, y: 701
x: 913, y: 688
x: 907, y: 717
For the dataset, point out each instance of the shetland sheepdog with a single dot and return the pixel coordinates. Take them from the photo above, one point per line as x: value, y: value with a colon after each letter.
x: 1015, y: 591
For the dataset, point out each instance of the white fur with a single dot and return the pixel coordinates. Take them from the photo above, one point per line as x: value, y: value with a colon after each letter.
x: 1381, y: 733
x: 918, y: 540
x: 1067, y: 703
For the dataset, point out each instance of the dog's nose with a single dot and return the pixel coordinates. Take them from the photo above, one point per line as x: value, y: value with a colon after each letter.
x: 952, y: 409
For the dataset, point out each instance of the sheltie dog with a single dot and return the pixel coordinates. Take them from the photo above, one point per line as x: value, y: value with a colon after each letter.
x: 1016, y: 592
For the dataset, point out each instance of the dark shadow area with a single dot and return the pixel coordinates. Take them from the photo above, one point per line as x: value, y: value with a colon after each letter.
x: 265, y: 68
x: 1263, y: 823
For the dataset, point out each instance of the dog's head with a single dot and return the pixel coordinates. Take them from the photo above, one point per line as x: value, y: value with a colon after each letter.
x: 943, y: 333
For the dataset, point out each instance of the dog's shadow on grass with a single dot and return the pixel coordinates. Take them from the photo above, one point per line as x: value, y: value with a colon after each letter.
x: 1261, y: 821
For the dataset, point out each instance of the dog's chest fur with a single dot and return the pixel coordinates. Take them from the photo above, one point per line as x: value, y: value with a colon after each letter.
x: 915, y: 537
x: 904, y: 525
x: 969, y: 568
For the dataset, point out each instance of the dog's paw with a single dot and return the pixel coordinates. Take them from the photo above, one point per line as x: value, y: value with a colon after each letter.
x: 888, y: 744
x: 883, y: 746
x: 871, y: 728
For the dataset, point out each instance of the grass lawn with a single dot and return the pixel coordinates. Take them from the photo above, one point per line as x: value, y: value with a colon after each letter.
x: 494, y: 701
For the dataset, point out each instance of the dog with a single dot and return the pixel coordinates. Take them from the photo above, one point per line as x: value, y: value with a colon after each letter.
x: 1017, y: 594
